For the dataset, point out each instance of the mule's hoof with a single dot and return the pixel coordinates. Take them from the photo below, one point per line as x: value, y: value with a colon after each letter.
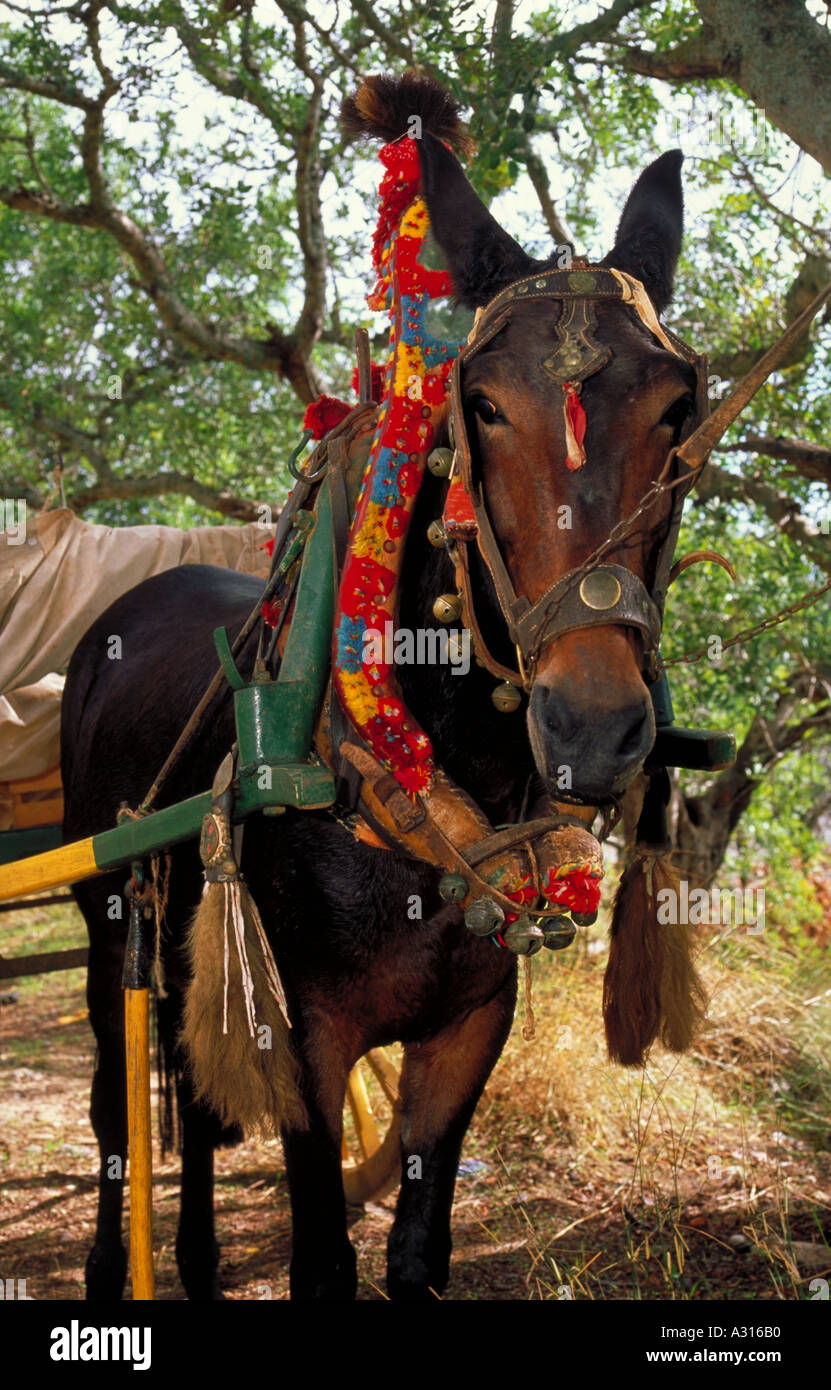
x: 106, y: 1273
x: 198, y: 1273
x: 402, y: 1288
x: 416, y: 1277
x: 204, y: 1293
x: 325, y: 1281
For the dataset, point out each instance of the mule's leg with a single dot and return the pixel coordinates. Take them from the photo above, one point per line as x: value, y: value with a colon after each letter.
x: 197, y: 1251
x: 106, y: 1267
x: 441, y: 1083
x: 323, y: 1260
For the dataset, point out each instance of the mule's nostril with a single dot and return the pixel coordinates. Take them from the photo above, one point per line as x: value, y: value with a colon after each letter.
x: 632, y: 738
x: 560, y: 717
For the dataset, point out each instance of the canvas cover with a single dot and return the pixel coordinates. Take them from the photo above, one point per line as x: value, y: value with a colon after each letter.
x: 57, y: 575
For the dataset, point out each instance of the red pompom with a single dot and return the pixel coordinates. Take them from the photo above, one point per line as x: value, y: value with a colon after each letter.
x: 579, y: 891
x: 377, y: 382
x: 323, y: 414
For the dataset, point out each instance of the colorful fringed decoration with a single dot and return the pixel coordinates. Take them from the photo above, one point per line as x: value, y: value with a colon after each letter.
x: 416, y: 390
x: 413, y: 404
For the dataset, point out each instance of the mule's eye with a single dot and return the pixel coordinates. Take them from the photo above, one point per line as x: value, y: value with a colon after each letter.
x: 485, y: 409
x: 678, y: 414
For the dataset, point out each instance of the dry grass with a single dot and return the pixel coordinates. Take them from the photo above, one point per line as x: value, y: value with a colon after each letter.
x: 702, y: 1176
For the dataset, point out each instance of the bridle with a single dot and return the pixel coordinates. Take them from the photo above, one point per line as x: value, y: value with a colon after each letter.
x: 591, y: 595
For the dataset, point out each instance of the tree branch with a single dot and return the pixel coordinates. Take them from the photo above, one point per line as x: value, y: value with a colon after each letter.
x: 394, y: 43
x: 811, y: 461
x: 705, y: 823
x: 813, y: 276
x: 309, y: 212
x: 697, y: 56
x: 716, y: 482
x: 539, y: 178
x: 115, y: 488
x: 567, y: 44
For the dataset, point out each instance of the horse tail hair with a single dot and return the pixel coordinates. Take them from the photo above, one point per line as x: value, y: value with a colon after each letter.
x: 242, y: 1063
x: 651, y: 988
x: 384, y: 107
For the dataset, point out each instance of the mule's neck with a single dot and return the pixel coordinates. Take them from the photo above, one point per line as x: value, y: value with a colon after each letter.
x: 486, y: 752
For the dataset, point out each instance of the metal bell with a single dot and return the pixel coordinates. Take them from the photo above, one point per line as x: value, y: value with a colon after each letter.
x: 506, y: 697
x: 484, y: 917
x: 523, y: 937
x: 436, y: 534
x: 452, y: 888
x: 447, y: 608
x: 440, y: 462
x: 559, y: 932
x: 584, y: 919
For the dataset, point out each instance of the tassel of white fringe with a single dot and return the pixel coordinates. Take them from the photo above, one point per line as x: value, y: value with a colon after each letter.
x: 235, y: 915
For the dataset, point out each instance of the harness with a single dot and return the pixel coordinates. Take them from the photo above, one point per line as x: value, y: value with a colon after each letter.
x: 516, y: 883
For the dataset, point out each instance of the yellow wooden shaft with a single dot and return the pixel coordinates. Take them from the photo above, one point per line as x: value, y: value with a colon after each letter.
x: 359, y: 1104
x: 137, y: 1050
x: 56, y: 867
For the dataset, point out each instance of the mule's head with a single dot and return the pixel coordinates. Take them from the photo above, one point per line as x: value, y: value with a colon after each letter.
x: 590, y: 711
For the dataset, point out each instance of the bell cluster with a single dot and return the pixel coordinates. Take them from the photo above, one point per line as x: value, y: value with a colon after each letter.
x: 448, y: 607
x: 527, y: 935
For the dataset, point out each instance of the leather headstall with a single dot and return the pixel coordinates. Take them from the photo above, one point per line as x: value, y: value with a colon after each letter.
x: 593, y: 594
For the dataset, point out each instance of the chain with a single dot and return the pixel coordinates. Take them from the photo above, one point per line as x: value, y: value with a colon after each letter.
x: 624, y: 529
x: 747, y: 633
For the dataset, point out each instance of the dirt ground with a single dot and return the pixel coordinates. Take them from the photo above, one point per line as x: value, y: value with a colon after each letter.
x: 555, y: 1198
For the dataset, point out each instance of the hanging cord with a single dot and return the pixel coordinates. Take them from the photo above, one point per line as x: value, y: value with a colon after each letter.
x: 160, y: 890
x: 529, y: 1027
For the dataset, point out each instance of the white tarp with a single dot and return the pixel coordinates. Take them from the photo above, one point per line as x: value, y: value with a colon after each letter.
x: 57, y: 575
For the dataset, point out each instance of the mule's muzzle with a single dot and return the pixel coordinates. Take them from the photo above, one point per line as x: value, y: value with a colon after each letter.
x: 588, y: 751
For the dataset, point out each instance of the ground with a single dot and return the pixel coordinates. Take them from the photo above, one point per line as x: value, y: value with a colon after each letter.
x: 702, y: 1177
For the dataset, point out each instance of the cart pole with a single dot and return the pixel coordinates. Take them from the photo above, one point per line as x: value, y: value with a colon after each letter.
x: 136, y: 983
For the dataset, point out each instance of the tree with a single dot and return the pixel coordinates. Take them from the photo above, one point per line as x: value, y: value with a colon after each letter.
x: 190, y: 235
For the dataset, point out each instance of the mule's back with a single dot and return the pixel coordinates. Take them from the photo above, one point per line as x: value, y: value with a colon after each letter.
x: 132, y: 684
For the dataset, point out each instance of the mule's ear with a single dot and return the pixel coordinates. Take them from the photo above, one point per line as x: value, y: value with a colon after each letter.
x: 649, y: 234
x: 481, y: 257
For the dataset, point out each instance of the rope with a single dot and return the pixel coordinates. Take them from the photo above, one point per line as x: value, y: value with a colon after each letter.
x: 529, y: 1027
x: 160, y: 890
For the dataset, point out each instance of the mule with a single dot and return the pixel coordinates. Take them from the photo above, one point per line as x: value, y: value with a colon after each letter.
x: 359, y: 973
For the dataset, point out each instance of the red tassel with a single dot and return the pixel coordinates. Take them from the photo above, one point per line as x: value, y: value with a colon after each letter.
x: 575, y: 420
